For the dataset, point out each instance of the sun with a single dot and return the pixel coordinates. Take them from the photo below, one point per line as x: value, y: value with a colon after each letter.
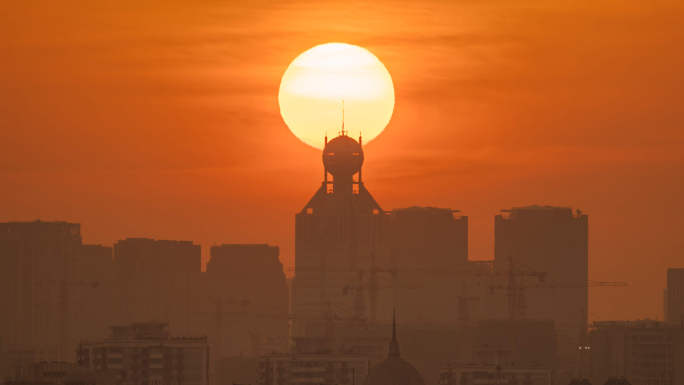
x: 320, y: 81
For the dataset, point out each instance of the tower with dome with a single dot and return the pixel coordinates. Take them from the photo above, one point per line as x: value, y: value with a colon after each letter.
x: 338, y: 242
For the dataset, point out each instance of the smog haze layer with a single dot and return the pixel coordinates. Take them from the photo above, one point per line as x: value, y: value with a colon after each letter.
x: 161, y: 119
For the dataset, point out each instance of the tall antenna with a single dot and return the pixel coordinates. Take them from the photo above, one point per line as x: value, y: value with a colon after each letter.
x: 343, y: 131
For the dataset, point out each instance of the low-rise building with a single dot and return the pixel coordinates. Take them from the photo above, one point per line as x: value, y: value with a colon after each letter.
x: 492, y: 374
x: 674, y: 296
x: 320, y: 369
x: 644, y: 352
x: 145, y: 353
x: 58, y: 373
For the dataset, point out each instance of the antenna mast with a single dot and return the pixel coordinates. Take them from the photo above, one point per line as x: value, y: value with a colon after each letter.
x: 343, y: 130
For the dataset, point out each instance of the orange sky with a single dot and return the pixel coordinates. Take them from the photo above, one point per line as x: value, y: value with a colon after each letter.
x: 160, y: 119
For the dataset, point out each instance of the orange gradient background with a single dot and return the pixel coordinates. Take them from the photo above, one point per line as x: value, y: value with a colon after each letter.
x: 161, y: 119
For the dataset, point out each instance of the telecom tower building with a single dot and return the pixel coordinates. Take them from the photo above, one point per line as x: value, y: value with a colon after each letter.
x: 338, y: 238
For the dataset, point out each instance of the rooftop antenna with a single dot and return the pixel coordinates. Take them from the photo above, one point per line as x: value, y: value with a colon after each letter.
x: 343, y: 131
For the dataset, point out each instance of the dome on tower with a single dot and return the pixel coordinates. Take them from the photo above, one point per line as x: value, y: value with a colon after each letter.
x: 394, y: 370
x: 343, y: 156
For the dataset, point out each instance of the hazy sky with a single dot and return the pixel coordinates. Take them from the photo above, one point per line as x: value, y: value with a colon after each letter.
x: 160, y: 119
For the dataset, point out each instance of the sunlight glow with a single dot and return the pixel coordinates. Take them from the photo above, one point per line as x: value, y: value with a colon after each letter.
x: 317, y: 81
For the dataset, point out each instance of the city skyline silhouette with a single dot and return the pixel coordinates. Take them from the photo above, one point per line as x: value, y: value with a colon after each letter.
x: 265, y: 192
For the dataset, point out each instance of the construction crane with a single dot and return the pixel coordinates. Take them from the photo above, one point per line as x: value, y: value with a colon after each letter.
x: 516, y: 292
x: 372, y: 285
x: 515, y: 287
x: 368, y: 280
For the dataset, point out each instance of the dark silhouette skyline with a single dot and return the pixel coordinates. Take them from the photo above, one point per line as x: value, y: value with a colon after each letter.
x: 499, y: 199
x: 166, y: 126
x: 524, y: 310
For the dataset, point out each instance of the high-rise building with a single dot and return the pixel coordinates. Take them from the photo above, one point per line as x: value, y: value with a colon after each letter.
x: 34, y: 286
x: 429, y: 249
x: 552, y: 241
x: 338, y: 246
x: 145, y: 256
x: 674, y: 296
x: 92, y: 292
x: 157, y: 280
x: 93, y: 262
x: 354, y: 260
x: 428, y: 237
x: 250, y: 299
x: 146, y: 353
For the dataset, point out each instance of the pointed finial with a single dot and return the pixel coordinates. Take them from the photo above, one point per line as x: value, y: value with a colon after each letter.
x: 343, y: 131
x: 394, y: 324
x: 361, y: 138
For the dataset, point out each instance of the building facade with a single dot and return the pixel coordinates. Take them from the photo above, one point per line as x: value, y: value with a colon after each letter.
x: 355, y: 261
x: 146, y: 354
x: 250, y: 300
x: 338, y: 247
x: 59, y: 373
x: 35, y: 285
x: 157, y: 280
x: 492, y: 374
x: 551, y: 242
x: 674, y: 296
x: 514, y: 343
x: 93, y: 290
x: 644, y: 352
x: 313, y: 369
x: 429, y: 251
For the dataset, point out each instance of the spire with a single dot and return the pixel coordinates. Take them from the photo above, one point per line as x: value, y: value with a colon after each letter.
x: 343, y: 131
x: 394, y: 344
x: 394, y: 324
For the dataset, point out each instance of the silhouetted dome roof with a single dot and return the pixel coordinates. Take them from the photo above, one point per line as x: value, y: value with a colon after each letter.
x: 343, y: 155
x: 393, y: 370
